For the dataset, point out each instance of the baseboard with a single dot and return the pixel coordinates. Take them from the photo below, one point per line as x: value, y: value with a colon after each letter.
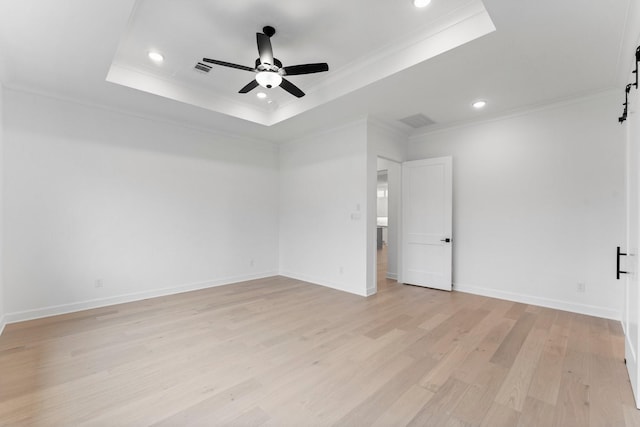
x: 321, y: 282
x: 392, y: 276
x: 590, y: 310
x: 371, y: 291
x: 120, y: 299
x: 631, y: 363
x: 3, y: 323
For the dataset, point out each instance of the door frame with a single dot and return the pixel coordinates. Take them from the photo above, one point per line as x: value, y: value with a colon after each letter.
x: 631, y: 312
x: 398, y: 221
x: 371, y: 222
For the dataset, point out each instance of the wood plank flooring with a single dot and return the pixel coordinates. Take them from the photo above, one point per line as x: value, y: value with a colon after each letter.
x: 281, y: 352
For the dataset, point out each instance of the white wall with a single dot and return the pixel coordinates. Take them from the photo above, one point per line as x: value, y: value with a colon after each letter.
x: 388, y: 143
x: 323, y: 208
x: 2, y: 311
x: 539, y: 204
x: 144, y: 206
x: 151, y: 208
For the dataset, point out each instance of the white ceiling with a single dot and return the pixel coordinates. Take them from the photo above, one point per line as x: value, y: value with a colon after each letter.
x: 541, y: 51
x: 307, y: 32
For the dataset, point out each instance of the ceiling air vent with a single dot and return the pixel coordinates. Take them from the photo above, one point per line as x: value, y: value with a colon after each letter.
x: 203, y: 67
x: 417, y: 121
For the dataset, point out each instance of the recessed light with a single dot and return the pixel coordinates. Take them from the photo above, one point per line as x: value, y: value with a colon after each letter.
x: 156, y: 56
x: 421, y: 3
x: 479, y: 104
x: 261, y: 95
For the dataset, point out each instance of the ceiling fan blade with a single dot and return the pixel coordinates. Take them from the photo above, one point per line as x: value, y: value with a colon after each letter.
x: 264, y: 48
x: 295, y: 70
x: 248, y: 88
x: 228, y: 64
x: 291, y: 88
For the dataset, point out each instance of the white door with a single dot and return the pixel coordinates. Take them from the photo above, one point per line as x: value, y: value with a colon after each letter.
x: 427, y: 206
x: 629, y: 263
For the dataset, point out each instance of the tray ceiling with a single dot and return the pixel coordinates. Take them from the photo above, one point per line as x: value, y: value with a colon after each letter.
x: 362, y: 41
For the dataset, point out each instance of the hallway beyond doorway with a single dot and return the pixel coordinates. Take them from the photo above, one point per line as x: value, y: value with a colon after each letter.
x: 383, y: 282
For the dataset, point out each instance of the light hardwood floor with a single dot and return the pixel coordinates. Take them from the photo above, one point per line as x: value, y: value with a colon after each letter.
x: 281, y: 352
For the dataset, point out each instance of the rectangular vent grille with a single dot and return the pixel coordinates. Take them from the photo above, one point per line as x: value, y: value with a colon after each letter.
x: 203, y: 67
x: 417, y: 121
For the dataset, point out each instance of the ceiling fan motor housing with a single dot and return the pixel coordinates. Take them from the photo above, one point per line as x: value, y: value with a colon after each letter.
x: 276, y: 66
x: 268, y: 31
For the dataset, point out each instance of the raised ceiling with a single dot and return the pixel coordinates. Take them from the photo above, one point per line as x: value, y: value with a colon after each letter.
x: 541, y: 51
x: 363, y: 42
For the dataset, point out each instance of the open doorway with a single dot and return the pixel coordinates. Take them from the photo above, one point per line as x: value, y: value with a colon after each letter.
x: 387, y: 223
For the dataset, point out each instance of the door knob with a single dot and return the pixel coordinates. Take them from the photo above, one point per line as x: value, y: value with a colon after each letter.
x: 447, y: 240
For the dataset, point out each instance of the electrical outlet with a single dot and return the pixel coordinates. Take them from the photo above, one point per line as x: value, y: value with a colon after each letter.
x: 581, y: 287
x: 251, y: 262
x: 98, y: 283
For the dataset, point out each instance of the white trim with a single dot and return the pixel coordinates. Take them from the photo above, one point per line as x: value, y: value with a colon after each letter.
x: 396, y: 129
x: 169, y: 88
x: 392, y: 276
x: 3, y: 323
x: 629, y: 348
x: 321, y: 282
x: 312, y: 137
x: 632, y: 368
x: 590, y: 310
x: 120, y: 299
x: 525, y: 110
x: 630, y: 39
x: 462, y: 25
x: 371, y: 291
x: 266, y: 143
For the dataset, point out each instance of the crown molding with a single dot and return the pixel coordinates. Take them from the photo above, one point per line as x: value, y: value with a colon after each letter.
x: 141, y: 115
x: 346, y: 125
x: 512, y: 113
x: 628, y: 44
x: 395, y: 128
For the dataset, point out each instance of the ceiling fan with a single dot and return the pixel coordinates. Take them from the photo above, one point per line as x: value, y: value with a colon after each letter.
x: 269, y: 70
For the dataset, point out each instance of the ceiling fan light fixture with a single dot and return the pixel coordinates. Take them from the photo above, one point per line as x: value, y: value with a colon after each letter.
x: 421, y: 3
x: 156, y: 57
x: 268, y: 79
